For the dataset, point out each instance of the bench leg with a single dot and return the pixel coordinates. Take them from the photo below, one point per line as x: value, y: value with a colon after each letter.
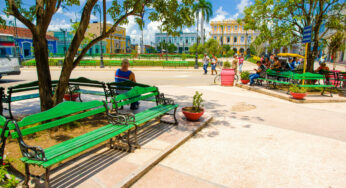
x: 27, y: 176
x: 174, y: 116
x: 80, y: 99
x: 47, y: 180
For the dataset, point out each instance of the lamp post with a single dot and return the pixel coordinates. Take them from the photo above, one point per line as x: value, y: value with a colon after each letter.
x: 64, y: 31
x: 97, y: 8
x: 196, y: 60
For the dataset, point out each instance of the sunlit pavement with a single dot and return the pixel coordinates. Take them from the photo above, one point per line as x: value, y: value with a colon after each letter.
x: 254, y: 140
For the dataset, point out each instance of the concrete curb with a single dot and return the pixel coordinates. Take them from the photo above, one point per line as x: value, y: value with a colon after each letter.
x: 288, y: 97
x: 136, y: 175
x: 114, y: 68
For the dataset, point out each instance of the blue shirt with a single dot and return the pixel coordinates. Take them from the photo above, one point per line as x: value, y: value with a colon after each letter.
x: 121, y: 76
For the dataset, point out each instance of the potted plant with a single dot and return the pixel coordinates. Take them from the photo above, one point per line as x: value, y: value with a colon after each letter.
x: 227, y: 75
x: 245, y: 77
x: 70, y: 94
x: 297, y: 92
x: 196, y: 111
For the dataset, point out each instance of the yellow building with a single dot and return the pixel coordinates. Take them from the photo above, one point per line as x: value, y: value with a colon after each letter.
x: 230, y: 32
x: 115, y: 43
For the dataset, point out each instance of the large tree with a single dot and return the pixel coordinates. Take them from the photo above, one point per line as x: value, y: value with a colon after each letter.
x: 38, y: 15
x: 281, y: 22
x: 205, y: 8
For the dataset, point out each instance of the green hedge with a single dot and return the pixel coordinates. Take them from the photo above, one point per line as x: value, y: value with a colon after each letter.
x: 55, y: 62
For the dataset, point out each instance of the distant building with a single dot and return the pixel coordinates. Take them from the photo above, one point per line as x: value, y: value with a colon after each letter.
x: 182, y: 42
x: 115, y: 43
x: 63, y: 42
x: 25, y: 42
x: 233, y: 34
x: 128, y: 44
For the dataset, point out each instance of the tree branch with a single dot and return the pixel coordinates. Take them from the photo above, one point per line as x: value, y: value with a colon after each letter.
x: 15, y: 12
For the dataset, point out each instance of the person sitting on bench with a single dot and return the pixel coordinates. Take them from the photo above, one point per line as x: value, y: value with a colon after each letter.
x: 260, y: 72
x: 124, y: 74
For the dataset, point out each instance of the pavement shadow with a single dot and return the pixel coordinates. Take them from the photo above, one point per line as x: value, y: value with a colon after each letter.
x: 90, y: 166
x: 10, y: 81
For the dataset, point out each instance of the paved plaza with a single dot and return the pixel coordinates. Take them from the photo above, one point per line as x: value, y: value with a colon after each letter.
x: 254, y: 140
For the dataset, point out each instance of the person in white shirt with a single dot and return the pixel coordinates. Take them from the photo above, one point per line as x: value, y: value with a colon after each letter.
x: 206, y: 60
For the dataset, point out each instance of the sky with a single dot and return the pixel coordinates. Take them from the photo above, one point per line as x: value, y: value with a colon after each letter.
x: 222, y: 9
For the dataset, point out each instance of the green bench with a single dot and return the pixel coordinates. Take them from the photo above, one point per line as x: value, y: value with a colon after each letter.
x: 115, y: 87
x: 75, y: 85
x: 175, y: 63
x: 9, y: 98
x: 314, y: 77
x: 61, y: 114
x: 4, y: 134
x: 162, y: 108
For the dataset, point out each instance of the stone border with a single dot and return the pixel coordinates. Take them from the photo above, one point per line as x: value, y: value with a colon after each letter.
x: 136, y: 175
x: 287, y: 97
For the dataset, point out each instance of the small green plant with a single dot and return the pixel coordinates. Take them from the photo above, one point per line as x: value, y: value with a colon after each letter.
x: 197, y: 102
x: 245, y: 75
x: 297, y: 89
x: 183, y: 56
x: 226, y: 65
x: 7, y: 180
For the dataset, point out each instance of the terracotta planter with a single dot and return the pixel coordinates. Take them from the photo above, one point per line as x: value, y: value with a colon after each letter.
x: 192, y: 116
x: 72, y: 97
x: 298, y: 96
x: 245, y: 81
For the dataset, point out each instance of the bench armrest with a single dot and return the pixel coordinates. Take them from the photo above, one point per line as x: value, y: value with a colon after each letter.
x: 121, y: 118
x: 161, y: 99
x: 31, y: 152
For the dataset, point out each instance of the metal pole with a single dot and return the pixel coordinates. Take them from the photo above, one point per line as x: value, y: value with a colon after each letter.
x: 101, y: 58
x: 196, y: 59
x: 305, y: 60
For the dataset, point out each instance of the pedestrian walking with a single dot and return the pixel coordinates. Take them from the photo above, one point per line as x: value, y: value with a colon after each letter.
x: 213, y: 65
x: 206, y: 60
x: 241, y: 62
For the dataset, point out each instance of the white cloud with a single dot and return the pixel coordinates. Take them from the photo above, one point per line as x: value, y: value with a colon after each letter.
x: 134, y: 32
x: 57, y: 24
x: 242, y: 5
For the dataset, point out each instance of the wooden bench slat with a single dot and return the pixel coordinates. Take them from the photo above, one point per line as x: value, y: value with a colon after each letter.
x: 62, y: 109
x: 135, y: 99
x: 134, y: 92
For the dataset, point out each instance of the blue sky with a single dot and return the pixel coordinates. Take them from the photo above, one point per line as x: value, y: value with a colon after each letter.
x: 223, y: 9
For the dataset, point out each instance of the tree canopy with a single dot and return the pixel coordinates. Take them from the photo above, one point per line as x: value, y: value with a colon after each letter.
x: 281, y: 22
x: 37, y: 16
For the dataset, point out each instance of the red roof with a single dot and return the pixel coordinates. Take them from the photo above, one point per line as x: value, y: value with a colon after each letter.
x: 21, y: 32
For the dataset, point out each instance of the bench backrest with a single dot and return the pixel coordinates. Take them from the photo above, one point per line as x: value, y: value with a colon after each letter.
x: 61, y: 114
x: 82, y: 81
x: 135, y: 94
x: 125, y: 85
x: 27, y: 87
x: 308, y: 76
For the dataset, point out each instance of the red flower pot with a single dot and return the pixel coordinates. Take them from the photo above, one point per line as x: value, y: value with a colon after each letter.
x: 191, y: 115
x: 72, y: 97
x: 245, y: 81
x: 299, y: 96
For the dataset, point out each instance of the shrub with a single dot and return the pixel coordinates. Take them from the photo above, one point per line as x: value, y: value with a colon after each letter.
x: 297, y: 89
x: 7, y: 181
x: 245, y: 75
x: 226, y: 65
x: 197, y: 102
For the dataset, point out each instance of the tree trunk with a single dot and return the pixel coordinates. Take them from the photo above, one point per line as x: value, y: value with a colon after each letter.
x: 43, y: 72
x: 202, y: 26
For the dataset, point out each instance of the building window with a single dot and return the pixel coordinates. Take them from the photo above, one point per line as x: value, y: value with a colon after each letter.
x: 214, y: 37
x: 215, y: 28
x: 229, y: 28
x: 228, y: 39
x: 187, y: 41
x: 249, y: 39
x: 236, y: 27
x: 235, y: 40
x: 242, y: 39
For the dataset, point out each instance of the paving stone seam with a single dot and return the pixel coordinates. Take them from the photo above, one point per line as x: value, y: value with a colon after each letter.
x: 140, y: 172
x: 196, y: 177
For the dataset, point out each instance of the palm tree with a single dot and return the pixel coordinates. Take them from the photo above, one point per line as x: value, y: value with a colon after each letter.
x: 206, y: 9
